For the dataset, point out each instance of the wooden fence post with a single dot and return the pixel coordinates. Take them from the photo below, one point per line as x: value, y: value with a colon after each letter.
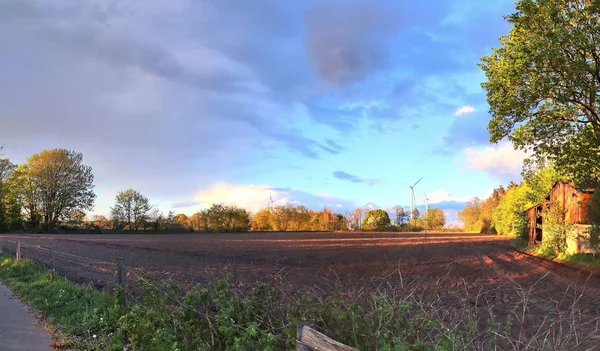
x: 51, y: 264
x: 18, y: 252
x: 120, y: 271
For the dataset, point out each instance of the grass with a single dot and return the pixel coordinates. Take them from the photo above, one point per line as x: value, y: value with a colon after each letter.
x: 224, y: 315
x: 585, y: 259
x: 86, y: 316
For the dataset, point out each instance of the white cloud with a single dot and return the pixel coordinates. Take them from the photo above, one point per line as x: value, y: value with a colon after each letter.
x: 498, y: 160
x: 465, y: 109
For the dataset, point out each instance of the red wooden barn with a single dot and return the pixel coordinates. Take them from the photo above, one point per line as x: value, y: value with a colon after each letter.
x: 572, y: 201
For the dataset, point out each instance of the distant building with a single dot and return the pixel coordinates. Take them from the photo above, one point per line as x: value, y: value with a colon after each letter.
x: 572, y: 201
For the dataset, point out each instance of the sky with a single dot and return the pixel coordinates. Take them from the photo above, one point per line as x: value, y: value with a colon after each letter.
x: 321, y: 103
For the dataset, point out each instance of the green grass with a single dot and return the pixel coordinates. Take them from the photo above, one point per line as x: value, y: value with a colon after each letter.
x: 86, y: 316
x: 583, y: 259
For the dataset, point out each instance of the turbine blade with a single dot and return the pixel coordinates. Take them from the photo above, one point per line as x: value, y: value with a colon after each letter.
x: 418, y: 181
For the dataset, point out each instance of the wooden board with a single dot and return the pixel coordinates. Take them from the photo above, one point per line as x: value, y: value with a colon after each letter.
x: 313, y: 340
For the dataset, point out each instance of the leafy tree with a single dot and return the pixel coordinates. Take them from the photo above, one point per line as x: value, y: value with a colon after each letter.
x: 262, y: 220
x: 100, y: 222
x: 509, y: 217
x: 10, y: 209
x: 56, y: 183
x: 543, y: 84
x: 183, y: 222
x: 28, y: 196
x: 376, y: 220
x: 540, y: 176
x: 434, y: 219
x: 131, y: 209
x: 471, y: 214
x: 477, y: 214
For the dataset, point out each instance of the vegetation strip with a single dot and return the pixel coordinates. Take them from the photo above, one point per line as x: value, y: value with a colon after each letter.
x: 590, y: 266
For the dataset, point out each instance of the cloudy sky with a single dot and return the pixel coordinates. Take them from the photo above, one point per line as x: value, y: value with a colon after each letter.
x: 324, y: 103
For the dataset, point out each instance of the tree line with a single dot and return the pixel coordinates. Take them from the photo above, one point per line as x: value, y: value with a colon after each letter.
x: 54, y: 189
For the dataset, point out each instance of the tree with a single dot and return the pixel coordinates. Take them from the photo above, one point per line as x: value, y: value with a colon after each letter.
x: 262, y: 220
x: 28, y: 196
x: 509, y: 217
x: 58, y: 183
x: 10, y: 210
x: 471, y: 214
x: 131, y: 209
x: 376, y: 220
x: 434, y: 219
x: 401, y: 216
x: 543, y: 85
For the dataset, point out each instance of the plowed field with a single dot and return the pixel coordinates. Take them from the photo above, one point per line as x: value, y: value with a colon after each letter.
x: 482, y: 265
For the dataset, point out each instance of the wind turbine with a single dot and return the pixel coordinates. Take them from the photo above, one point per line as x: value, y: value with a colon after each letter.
x: 426, y: 202
x: 271, y: 203
x: 412, y: 197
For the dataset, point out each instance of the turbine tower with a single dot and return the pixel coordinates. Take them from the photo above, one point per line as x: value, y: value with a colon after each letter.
x: 412, y: 198
x: 426, y: 202
x: 271, y: 203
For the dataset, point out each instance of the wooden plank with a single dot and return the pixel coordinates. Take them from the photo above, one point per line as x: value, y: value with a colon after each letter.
x: 321, y: 342
x: 299, y: 345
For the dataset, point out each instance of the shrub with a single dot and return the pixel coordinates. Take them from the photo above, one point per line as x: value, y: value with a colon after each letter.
x: 376, y: 220
x: 556, y: 230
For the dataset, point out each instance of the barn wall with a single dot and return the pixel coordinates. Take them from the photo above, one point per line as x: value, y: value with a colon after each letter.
x: 572, y: 202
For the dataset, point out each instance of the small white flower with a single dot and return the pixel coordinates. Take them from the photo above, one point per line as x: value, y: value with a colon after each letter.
x: 94, y: 336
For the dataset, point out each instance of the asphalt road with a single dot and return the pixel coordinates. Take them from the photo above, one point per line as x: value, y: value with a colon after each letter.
x: 19, y: 331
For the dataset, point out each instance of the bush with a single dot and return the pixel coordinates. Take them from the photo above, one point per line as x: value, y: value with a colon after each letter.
x: 556, y: 230
x: 376, y: 220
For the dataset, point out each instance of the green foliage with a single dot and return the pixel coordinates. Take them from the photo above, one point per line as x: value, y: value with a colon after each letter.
x: 10, y: 209
x: 542, y: 85
x: 509, y: 217
x: 593, y: 209
x: 592, y: 239
x: 556, y: 230
x: 376, y: 220
x: 477, y: 214
x: 87, y: 317
x: 52, y: 184
x: 434, y: 219
x: 540, y: 176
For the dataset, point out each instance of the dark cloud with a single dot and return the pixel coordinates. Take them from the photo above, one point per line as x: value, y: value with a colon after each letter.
x: 354, y: 179
x: 346, y: 42
x: 135, y: 86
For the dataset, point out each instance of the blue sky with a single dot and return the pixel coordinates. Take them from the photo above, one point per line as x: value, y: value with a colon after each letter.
x: 324, y: 103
